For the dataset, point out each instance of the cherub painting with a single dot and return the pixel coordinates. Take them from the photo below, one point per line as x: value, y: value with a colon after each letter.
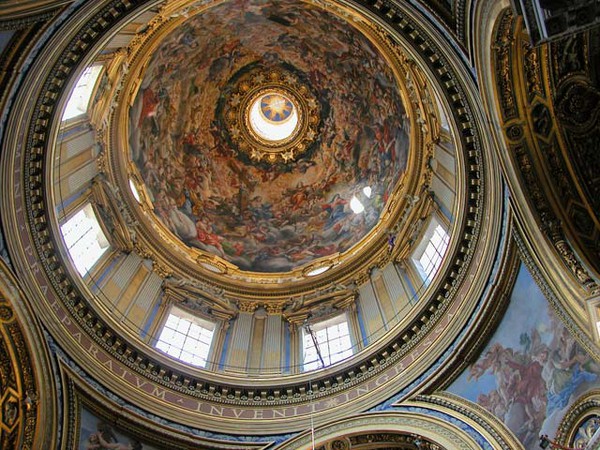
x: 96, y: 434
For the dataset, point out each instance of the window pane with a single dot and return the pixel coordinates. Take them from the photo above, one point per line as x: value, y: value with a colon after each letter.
x: 178, y: 340
x: 172, y: 321
x: 187, y: 338
x: 333, y: 339
x: 80, y: 97
x: 183, y: 326
x: 162, y: 345
x: 430, y: 259
x: 84, y: 239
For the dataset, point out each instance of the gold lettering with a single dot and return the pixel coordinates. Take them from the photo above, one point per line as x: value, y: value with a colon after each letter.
x: 362, y: 390
x: 237, y: 413
x: 54, y: 305
x: 35, y: 269
x: 278, y: 413
x: 157, y: 392
x: 216, y: 410
x: 382, y: 379
x: 93, y: 351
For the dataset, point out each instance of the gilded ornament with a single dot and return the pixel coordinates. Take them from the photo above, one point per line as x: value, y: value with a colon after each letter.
x: 272, y: 116
x: 6, y: 313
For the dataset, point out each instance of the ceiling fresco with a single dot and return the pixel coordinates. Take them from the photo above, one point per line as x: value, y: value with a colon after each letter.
x: 218, y: 193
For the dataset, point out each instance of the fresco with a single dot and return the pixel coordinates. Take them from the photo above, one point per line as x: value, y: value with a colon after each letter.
x: 95, y: 434
x: 268, y: 217
x: 531, y: 370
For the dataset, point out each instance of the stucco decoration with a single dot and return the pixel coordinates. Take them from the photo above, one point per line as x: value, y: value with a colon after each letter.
x: 269, y: 214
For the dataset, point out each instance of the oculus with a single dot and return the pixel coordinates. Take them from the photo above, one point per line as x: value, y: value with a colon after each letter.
x: 271, y: 116
x: 276, y: 109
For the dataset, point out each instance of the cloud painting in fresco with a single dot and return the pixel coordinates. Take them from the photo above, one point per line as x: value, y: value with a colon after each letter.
x: 531, y: 370
x: 268, y: 218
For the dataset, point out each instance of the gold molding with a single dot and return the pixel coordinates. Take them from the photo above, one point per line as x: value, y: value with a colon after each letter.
x: 78, y: 394
x: 494, y: 430
x: 530, y: 151
x: 492, y: 312
x: 237, y: 115
x: 585, y: 406
x: 28, y: 398
x: 439, y: 431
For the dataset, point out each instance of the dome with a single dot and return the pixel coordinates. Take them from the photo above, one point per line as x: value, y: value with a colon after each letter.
x: 258, y: 199
x: 269, y: 135
x: 264, y: 167
x: 333, y: 224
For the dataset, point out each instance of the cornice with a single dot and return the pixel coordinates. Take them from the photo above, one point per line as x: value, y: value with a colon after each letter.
x: 586, y: 406
x: 79, y: 394
x: 555, y: 301
x: 25, y: 14
x: 491, y: 313
x: 349, y: 269
x: 433, y: 428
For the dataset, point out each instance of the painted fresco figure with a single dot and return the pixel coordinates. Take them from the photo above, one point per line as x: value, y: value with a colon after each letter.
x: 149, y: 107
x: 335, y: 209
x: 97, y: 442
x: 563, y: 377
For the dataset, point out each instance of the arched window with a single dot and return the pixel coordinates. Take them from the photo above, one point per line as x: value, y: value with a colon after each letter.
x: 80, y: 96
